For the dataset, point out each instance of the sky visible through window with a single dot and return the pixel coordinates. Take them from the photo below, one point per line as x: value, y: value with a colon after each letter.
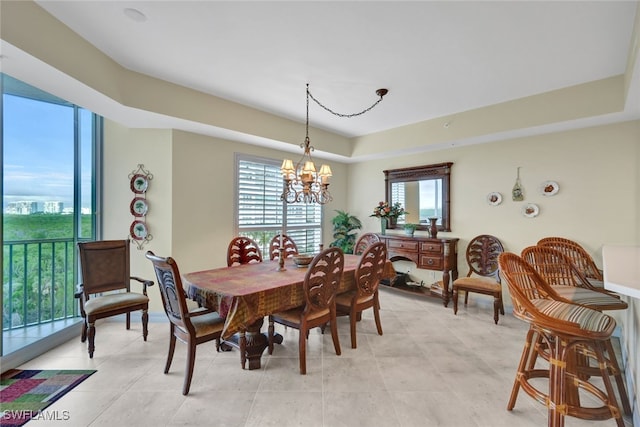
x: 38, y: 150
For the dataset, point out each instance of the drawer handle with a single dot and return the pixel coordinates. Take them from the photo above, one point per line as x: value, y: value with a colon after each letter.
x: 430, y: 262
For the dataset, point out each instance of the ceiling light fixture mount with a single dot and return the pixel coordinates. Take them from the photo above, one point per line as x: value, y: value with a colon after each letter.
x: 301, y: 182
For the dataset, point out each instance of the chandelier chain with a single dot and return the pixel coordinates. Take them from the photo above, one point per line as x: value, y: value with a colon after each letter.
x: 340, y: 114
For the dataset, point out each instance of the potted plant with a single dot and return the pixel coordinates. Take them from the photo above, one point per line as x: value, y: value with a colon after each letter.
x: 388, y: 214
x: 409, y: 229
x: 344, y: 231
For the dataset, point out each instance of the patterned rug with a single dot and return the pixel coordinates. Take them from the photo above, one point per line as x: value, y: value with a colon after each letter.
x: 24, y: 394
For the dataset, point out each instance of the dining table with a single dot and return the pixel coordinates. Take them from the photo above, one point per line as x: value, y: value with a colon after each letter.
x: 244, y: 294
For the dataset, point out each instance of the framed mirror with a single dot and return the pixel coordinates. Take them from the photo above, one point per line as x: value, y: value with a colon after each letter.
x: 423, y: 191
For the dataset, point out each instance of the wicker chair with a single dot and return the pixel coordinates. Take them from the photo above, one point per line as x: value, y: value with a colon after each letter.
x: 364, y: 241
x: 243, y: 250
x: 290, y: 247
x: 367, y: 278
x: 568, y: 283
x: 320, y: 286
x: 557, y: 269
x: 566, y: 329
x: 191, y: 327
x: 578, y: 255
x: 483, y: 278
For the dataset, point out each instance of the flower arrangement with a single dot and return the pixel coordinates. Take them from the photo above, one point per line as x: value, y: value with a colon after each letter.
x: 385, y: 210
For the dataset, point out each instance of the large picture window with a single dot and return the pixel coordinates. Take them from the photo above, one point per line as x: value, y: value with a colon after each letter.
x: 260, y: 212
x: 50, y: 164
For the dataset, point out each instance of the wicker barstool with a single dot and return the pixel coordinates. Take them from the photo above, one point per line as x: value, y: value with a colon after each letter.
x: 565, y: 328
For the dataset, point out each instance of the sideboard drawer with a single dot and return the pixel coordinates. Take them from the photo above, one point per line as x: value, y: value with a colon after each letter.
x: 404, y: 245
x: 431, y: 262
x: 432, y: 248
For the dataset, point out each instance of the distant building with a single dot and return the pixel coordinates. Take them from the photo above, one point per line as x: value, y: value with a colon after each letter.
x: 53, y: 207
x: 25, y: 207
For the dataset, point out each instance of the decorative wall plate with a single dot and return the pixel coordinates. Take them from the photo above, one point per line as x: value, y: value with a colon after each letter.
x: 138, y: 230
x: 139, y: 184
x: 549, y: 188
x: 139, y: 207
x: 530, y: 210
x: 494, y: 199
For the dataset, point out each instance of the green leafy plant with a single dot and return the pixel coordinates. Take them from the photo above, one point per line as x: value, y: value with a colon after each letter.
x: 344, y: 231
x: 410, y: 227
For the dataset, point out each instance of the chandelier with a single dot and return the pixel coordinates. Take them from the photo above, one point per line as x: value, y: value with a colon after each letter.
x: 301, y: 182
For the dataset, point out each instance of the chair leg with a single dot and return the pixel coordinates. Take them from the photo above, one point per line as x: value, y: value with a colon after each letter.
x: 521, y: 370
x: 496, y: 309
x: 128, y: 321
x: 270, y: 333
x: 376, y: 313
x: 145, y: 324
x: 353, y: 317
x: 172, y: 347
x: 191, y: 359
x: 557, y: 404
x: 242, y: 340
x: 455, y: 300
x: 605, y: 369
x: 302, y: 350
x: 91, y: 334
x: 614, y: 368
x: 334, y: 332
x: 83, y: 335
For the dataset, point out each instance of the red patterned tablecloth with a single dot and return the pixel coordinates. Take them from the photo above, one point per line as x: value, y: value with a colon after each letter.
x: 246, y: 293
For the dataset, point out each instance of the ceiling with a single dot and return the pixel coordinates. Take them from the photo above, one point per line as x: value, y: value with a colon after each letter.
x: 436, y: 58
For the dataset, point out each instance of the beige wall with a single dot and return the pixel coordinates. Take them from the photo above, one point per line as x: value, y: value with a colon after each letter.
x: 596, y: 169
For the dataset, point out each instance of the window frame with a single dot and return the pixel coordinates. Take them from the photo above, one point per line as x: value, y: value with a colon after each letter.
x: 314, y: 237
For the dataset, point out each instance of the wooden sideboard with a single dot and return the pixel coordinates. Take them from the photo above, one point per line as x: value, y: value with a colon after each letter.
x: 429, y: 254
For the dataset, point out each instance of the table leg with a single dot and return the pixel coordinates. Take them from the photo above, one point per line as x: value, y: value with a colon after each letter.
x: 251, y: 344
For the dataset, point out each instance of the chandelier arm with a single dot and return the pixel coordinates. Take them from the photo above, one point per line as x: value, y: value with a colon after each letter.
x: 380, y: 92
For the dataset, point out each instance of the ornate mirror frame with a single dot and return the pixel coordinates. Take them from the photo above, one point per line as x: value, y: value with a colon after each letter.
x: 421, y: 173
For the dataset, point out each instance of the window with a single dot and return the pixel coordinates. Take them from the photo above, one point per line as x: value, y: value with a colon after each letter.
x: 261, y: 213
x: 50, y: 161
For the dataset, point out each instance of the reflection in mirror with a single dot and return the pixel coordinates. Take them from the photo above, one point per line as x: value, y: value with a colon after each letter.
x: 424, y: 193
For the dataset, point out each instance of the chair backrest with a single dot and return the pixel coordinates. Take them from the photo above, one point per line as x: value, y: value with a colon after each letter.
x: 322, y: 280
x: 554, y: 267
x: 290, y: 247
x: 364, y: 241
x: 171, y: 291
x: 523, y: 278
x: 243, y: 250
x: 577, y: 254
x: 104, y: 265
x: 370, y: 269
x: 482, y: 256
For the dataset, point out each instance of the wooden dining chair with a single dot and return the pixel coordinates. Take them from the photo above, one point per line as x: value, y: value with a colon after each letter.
x: 320, y: 286
x: 105, y: 290
x: 243, y: 250
x: 190, y: 327
x: 290, y: 247
x: 367, y: 279
x: 483, y: 276
x: 364, y: 241
x: 566, y: 329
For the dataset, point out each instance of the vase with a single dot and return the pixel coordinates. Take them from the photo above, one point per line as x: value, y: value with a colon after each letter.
x: 383, y: 225
x: 433, y: 228
x: 393, y: 221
